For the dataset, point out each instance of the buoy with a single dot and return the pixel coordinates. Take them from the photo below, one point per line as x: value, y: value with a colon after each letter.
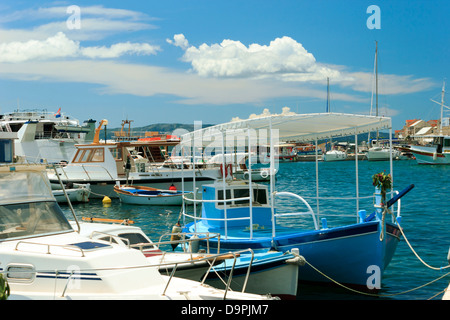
x: 194, y: 245
x: 176, y: 229
x: 106, y: 200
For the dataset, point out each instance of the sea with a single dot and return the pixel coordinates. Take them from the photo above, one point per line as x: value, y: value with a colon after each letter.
x: 425, y: 213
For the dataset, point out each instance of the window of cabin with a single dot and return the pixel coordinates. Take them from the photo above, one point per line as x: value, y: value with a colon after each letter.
x: 259, y: 197
x: 89, y: 155
x: 97, y: 155
x: 116, y: 153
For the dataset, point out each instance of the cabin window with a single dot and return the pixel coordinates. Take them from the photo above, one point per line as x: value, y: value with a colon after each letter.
x: 116, y: 153
x: 220, y: 196
x: 241, y: 193
x: 96, y: 155
x: 259, y: 197
x: 446, y: 142
x: 89, y: 155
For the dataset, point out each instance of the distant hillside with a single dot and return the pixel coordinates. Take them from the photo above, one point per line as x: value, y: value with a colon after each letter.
x: 166, y: 128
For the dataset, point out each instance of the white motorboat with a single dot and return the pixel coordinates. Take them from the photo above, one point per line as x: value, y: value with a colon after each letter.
x: 382, y: 153
x: 43, y: 257
x: 76, y: 193
x: 46, y: 137
x: 335, y: 155
x: 103, y: 165
x: 262, y: 273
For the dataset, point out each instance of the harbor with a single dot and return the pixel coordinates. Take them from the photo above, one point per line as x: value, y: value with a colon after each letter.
x: 426, y: 231
x: 327, y: 188
x: 229, y: 158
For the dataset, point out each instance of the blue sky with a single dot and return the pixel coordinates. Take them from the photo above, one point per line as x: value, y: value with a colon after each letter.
x: 183, y: 61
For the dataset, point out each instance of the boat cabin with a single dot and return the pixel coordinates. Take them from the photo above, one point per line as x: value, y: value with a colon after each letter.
x: 236, y: 208
x: 116, y: 156
x: 442, y: 143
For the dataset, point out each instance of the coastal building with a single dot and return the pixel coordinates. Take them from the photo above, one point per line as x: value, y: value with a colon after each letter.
x: 418, y: 129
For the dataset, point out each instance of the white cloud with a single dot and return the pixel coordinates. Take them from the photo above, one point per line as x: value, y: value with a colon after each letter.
x: 59, y: 46
x: 119, y: 49
x: 283, y: 57
x: 97, y: 22
x: 179, y: 41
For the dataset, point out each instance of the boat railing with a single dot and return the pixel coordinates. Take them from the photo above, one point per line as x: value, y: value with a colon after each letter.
x: 190, y: 239
x: 84, y: 166
x: 225, y: 219
x: 211, y: 260
x: 48, y: 251
x: 309, y: 212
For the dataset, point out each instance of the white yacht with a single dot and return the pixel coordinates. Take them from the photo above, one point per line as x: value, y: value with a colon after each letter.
x: 46, y: 137
x: 43, y: 257
x: 335, y: 155
x: 143, y: 163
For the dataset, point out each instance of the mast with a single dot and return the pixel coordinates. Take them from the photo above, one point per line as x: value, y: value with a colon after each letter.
x: 442, y: 106
x: 328, y: 95
x: 376, y: 83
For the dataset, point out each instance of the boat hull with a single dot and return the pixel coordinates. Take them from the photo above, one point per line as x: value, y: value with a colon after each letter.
x: 345, y: 254
x: 274, y: 275
x: 148, y: 196
x: 428, y: 155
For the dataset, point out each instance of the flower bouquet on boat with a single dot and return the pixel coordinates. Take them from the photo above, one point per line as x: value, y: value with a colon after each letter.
x: 246, y: 214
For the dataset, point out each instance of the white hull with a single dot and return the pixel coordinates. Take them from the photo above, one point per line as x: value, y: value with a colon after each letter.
x: 382, y: 154
x: 279, y: 281
x: 334, y: 155
x: 428, y: 155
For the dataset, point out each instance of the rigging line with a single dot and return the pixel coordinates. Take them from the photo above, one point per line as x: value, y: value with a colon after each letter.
x: 374, y: 294
x: 415, y: 253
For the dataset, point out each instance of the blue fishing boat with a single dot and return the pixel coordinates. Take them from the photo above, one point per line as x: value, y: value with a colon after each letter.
x: 245, y: 214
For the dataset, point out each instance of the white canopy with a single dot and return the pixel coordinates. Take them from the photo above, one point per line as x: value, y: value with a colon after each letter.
x: 299, y: 127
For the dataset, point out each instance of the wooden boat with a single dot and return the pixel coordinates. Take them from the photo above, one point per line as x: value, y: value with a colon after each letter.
x: 147, y: 195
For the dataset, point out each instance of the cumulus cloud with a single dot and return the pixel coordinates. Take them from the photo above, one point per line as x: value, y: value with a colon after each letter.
x: 60, y: 46
x: 179, y: 41
x: 283, y: 57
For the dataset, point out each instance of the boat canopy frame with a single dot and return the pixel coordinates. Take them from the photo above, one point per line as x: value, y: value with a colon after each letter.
x: 302, y: 128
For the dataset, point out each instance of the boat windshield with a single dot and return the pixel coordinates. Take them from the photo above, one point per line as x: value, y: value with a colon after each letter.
x: 27, y: 205
x: 17, y: 185
x: 21, y: 220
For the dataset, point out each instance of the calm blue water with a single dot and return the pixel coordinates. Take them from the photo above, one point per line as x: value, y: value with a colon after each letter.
x: 425, y: 212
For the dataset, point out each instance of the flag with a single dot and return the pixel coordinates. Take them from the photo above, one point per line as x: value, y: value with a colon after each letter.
x: 58, y: 113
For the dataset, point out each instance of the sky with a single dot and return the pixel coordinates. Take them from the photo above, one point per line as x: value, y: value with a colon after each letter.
x: 178, y: 61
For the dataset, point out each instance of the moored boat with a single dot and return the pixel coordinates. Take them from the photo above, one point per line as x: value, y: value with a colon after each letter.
x: 246, y: 214
x: 76, y: 193
x: 261, y: 273
x: 105, y: 164
x: 43, y: 257
x: 149, y: 196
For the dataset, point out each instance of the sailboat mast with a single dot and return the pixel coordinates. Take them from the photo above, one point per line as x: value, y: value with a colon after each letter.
x: 442, y: 106
x: 376, y: 77
x: 376, y: 82
x: 328, y: 95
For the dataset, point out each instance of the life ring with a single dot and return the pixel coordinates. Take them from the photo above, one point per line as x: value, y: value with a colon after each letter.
x: 264, y: 174
x: 246, y: 175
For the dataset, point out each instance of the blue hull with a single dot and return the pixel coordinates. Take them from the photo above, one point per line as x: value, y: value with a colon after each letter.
x: 351, y: 255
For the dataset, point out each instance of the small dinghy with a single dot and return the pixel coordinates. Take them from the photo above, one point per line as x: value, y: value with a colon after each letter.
x: 147, y: 195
